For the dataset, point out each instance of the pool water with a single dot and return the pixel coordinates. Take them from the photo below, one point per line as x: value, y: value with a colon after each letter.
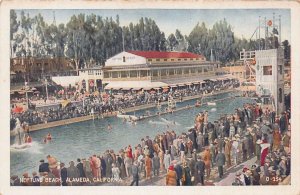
x: 83, y: 139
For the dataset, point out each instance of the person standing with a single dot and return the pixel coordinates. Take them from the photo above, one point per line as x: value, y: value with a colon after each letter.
x: 161, y: 159
x: 179, y: 173
x: 199, y: 171
x: 167, y: 159
x: 207, y: 161
x: 128, y: 165
x: 276, y: 139
x: 73, y: 174
x: 186, y: 178
x: 35, y: 179
x: 80, y: 168
x: 156, y: 164
x: 220, y: 161
x: 227, y: 151
x: 115, y: 173
x: 148, y: 166
x: 44, y: 167
x: 171, y: 176
x: 63, y: 174
x: 135, y: 173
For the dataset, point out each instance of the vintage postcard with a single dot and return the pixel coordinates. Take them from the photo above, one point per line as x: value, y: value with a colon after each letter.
x: 130, y: 94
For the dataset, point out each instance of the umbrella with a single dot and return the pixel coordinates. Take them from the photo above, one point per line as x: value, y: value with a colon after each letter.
x: 33, y: 88
x: 17, y: 109
x: 36, y: 92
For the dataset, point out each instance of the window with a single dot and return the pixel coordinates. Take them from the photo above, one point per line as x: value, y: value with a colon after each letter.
x: 185, y: 59
x: 157, y: 60
x: 163, y: 73
x: 267, y: 70
x: 114, y: 74
x: 179, y: 59
x: 186, y: 71
x: 123, y: 74
x: 154, y: 73
x: 106, y: 75
x: 191, y: 58
x: 172, y: 60
x: 280, y: 95
x: 171, y: 72
x: 124, y: 59
x: 149, y: 60
x: 280, y: 69
x: 165, y: 60
x: 197, y: 58
x: 143, y: 73
x: 133, y: 73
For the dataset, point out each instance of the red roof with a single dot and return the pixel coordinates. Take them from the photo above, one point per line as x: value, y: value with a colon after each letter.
x: 165, y: 54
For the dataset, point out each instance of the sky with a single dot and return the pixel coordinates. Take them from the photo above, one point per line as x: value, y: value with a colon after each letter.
x: 243, y: 21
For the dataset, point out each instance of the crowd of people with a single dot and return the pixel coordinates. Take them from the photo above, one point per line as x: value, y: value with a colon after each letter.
x: 109, y: 103
x: 186, y: 159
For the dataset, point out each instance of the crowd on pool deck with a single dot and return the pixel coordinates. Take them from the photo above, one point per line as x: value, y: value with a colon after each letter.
x: 110, y: 103
x: 251, y: 132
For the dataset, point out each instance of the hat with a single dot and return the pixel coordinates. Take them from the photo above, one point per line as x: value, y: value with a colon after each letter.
x: 194, y: 150
x: 42, y: 160
x: 233, y: 139
x: 237, y: 135
x: 171, y: 167
x: 283, y: 158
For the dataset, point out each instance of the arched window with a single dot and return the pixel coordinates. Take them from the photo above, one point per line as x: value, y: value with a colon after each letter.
x: 124, y: 60
x: 280, y: 95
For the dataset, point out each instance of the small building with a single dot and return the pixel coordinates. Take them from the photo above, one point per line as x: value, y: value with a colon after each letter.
x: 89, y: 79
x: 270, y: 76
x: 155, y: 69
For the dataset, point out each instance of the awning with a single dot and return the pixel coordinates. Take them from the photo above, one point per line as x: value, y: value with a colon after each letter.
x: 135, y: 85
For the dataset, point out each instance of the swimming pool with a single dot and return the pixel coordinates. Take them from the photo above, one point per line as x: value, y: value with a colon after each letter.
x: 84, y: 139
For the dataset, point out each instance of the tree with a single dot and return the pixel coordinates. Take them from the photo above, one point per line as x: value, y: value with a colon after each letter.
x: 172, y: 42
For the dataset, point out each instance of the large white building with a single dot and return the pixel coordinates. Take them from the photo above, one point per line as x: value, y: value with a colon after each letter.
x: 270, y: 75
x: 154, y: 70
